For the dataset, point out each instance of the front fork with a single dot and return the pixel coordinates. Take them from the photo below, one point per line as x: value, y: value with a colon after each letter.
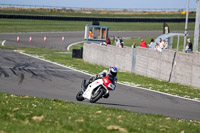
x: 83, y: 85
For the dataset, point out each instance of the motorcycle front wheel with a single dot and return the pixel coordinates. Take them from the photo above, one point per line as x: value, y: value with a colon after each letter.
x: 79, y: 96
x: 97, y: 94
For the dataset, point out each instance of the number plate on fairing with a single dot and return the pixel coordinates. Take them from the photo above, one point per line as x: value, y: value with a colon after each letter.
x: 111, y: 86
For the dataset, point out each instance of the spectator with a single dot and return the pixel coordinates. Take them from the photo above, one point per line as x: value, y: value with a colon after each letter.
x: 90, y: 34
x: 189, y: 46
x: 107, y: 42
x: 161, y: 43
x: 152, y: 44
x: 143, y: 43
x: 121, y: 42
x: 157, y: 47
x: 116, y: 43
x: 166, y: 45
x: 133, y: 45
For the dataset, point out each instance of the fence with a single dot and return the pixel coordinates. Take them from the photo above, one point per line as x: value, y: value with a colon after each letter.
x: 147, y: 20
x: 167, y: 65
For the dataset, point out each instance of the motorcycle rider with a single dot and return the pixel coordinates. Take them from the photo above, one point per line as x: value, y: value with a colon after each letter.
x: 112, y: 76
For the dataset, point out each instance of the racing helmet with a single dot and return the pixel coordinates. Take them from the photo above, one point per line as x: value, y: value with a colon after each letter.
x: 113, y: 71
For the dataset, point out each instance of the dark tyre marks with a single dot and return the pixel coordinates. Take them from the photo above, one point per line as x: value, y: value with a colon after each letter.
x: 21, y: 70
x: 2, y: 71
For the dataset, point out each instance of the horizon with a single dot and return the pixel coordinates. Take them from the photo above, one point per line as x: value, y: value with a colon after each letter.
x: 104, y: 4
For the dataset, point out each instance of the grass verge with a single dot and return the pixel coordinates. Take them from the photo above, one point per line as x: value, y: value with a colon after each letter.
x: 94, y: 13
x: 25, y: 25
x: 31, y: 114
x: 124, y: 77
x: 77, y: 46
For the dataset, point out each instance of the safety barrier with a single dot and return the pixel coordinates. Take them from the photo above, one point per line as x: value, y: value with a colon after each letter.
x: 45, y: 39
x: 178, y: 20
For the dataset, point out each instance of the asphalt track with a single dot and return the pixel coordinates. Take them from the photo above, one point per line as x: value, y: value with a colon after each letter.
x: 54, y: 38
x: 25, y: 75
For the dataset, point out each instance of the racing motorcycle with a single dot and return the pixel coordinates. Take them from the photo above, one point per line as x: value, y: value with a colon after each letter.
x: 95, y: 90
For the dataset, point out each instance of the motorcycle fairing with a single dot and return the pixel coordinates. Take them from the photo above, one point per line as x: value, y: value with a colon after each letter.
x: 88, y: 93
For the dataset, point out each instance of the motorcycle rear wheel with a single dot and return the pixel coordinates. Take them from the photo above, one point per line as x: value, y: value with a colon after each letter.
x: 79, y: 96
x: 97, y: 95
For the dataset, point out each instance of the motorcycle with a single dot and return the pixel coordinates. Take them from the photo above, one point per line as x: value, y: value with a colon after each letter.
x: 95, y: 90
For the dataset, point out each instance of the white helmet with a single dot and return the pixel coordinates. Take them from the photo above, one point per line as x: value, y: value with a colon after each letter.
x: 113, y: 71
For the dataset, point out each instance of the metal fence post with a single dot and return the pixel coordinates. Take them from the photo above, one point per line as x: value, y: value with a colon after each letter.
x: 186, y: 24
x: 196, y: 31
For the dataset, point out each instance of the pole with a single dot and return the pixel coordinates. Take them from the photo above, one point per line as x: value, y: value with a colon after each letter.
x: 196, y: 30
x: 186, y: 23
x: 178, y: 44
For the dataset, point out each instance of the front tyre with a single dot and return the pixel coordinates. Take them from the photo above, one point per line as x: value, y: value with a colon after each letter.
x: 79, y: 96
x: 97, y: 94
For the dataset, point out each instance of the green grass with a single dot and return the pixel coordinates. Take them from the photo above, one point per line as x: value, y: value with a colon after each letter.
x: 23, y: 114
x: 128, y: 78
x: 77, y: 46
x: 95, y: 13
x: 23, y: 25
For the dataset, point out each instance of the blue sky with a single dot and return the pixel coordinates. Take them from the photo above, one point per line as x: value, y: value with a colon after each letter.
x: 158, y: 4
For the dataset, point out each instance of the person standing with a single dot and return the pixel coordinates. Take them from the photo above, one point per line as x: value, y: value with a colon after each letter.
x: 90, y: 34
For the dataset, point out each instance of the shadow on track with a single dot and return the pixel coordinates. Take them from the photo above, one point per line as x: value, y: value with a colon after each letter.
x: 119, y: 105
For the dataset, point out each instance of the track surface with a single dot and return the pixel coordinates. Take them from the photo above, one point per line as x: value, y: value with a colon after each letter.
x: 54, y: 39
x: 24, y: 75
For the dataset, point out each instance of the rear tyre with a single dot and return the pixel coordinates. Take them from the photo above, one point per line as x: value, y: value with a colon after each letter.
x: 79, y: 96
x: 96, y: 95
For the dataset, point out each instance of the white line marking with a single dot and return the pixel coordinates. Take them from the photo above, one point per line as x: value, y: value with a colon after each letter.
x: 40, y: 69
x: 161, y: 92
x: 3, y: 43
x: 118, y: 82
x: 73, y: 44
x: 43, y: 32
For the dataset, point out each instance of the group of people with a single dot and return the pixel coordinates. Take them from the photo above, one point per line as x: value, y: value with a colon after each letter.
x: 161, y: 45
x: 154, y: 46
x: 158, y: 46
x: 119, y: 42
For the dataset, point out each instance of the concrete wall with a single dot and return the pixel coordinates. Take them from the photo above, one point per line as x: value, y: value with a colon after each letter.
x: 186, y: 69
x: 153, y: 63
x: 109, y: 56
x: 166, y: 65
